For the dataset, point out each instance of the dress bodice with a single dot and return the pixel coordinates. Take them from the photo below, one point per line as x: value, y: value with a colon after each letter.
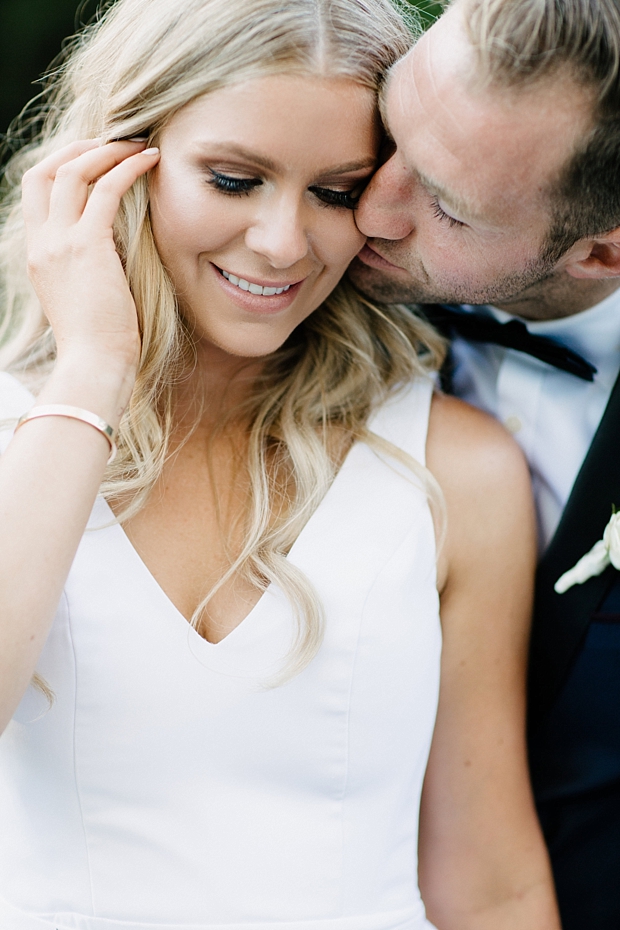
x: 169, y: 787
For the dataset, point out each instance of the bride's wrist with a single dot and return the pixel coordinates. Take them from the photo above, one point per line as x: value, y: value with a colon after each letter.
x: 101, y: 385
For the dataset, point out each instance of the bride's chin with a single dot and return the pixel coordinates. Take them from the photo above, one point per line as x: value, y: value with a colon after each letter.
x: 237, y: 346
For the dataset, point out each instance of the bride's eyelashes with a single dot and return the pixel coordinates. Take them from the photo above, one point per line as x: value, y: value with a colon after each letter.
x: 243, y: 186
x: 228, y: 185
x: 331, y: 198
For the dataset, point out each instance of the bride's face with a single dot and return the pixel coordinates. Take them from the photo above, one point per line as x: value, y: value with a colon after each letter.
x: 252, y: 204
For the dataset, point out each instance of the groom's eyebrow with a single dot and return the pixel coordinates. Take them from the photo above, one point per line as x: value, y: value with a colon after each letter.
x: 348, y: 168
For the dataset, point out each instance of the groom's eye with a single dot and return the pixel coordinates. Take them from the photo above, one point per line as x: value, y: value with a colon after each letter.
x: 227, y: 185
x: 442, y: 215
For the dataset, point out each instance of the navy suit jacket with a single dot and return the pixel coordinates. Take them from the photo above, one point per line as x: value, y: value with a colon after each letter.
x: 561, y: 621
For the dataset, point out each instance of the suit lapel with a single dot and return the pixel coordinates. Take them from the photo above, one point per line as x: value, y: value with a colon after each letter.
x: 561, y: 620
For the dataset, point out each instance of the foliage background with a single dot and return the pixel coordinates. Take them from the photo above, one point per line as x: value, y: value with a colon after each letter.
x: 31, y: 35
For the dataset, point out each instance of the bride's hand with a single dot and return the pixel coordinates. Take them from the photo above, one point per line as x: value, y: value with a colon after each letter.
x: 72, y: 260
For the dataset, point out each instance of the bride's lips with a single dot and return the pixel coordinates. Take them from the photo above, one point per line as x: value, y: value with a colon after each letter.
x: 369, y: 256
x: 258, y: 303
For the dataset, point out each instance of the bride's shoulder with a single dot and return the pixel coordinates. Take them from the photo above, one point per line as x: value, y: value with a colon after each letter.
x: 486, y: 488
x: 463, y: 437
x: 469, y: 451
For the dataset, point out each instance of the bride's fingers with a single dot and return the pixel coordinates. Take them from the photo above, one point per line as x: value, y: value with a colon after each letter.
x: 38, y: 181
x: 69, y: 194
x: 105, y: 199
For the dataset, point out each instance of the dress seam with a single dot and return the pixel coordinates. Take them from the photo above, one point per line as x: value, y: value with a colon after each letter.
x: 423, y: 504
x: 75, y: 771
x: 345, y: 781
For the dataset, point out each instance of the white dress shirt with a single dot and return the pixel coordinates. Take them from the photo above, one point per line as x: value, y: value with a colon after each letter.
x: 553, y: 415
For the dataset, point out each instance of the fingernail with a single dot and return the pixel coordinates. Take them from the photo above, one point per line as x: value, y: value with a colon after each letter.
x: 137, y: 139
x: 152, y: 151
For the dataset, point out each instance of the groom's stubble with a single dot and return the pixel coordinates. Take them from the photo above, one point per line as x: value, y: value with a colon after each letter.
x: 407, y: 287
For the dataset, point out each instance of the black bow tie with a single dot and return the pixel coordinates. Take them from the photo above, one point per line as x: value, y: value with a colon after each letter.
x: 482, y: 327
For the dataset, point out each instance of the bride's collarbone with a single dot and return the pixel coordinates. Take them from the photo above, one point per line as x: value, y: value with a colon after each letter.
x: 188, y: 534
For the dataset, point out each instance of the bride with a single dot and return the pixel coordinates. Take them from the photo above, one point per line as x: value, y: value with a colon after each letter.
x: 224, y: 533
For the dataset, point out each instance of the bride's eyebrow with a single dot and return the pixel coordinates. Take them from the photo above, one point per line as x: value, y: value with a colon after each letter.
x: 348, y: 167
x: 222, y: 149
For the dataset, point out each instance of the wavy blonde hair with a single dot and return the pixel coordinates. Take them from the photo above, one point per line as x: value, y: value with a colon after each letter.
x: 126, y: 75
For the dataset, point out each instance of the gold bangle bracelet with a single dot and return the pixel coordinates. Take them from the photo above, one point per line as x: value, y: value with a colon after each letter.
x: 73, y: 413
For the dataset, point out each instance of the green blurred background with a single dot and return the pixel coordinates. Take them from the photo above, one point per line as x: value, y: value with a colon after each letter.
x: 31, y: 35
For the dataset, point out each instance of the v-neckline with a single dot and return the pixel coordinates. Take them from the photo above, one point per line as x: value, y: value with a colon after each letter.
x: 269, y: 591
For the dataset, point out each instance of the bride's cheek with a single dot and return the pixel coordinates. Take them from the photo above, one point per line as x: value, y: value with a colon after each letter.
x: 342, y: 241
x: 350, y: 240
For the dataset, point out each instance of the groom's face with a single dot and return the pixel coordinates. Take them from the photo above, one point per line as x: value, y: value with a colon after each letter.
x: 462, y: 209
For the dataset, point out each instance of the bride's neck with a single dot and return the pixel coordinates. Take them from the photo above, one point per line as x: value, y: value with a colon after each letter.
x: 218, y: 385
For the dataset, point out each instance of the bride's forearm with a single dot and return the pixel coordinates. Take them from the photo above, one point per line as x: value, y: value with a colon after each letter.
x: 533, y: 908
x: 49, y: 477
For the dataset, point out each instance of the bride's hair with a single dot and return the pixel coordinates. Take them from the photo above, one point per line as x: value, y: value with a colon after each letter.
x: 126, y: 75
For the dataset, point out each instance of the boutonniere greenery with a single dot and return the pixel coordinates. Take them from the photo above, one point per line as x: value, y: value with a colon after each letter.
x: 603, y: 553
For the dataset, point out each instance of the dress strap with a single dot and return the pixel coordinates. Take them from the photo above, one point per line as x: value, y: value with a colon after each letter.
x: 403, y: 418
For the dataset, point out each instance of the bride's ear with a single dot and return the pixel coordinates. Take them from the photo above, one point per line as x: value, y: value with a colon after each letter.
x: 595, y: 258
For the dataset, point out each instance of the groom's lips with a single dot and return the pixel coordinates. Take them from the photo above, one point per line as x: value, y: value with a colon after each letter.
x: 370, y: 256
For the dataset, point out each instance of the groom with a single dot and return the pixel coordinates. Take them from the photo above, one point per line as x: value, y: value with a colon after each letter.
x: 502, y: 190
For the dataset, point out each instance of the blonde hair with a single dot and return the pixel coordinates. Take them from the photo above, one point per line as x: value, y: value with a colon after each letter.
x: 126, y: 75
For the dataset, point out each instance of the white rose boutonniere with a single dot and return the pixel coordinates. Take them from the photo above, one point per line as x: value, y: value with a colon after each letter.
x: 603, y: 553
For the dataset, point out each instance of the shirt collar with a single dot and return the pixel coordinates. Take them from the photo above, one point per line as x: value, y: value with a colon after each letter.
x: 593, y: 333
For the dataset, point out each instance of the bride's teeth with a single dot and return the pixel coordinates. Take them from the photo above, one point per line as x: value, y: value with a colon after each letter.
x: 254, y: 288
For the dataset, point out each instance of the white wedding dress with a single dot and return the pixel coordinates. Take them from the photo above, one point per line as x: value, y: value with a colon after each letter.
x: 168, y: 789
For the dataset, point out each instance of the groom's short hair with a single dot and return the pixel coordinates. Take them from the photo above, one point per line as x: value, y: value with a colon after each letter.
x: 523, y: 42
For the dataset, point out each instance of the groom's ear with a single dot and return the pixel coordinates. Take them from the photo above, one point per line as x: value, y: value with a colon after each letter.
x: 595, y: 258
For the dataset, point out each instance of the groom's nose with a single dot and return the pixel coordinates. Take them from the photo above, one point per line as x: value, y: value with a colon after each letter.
x: 385, y: 210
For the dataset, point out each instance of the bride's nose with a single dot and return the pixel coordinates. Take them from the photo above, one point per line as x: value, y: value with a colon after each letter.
x: 279, y: 232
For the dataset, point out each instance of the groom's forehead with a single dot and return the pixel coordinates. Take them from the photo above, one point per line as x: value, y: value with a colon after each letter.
x: 426, y: 81
x: 445, y: 47
x: 440, y: 113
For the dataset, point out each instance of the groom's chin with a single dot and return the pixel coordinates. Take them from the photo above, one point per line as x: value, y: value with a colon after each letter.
x: 379, y: 285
